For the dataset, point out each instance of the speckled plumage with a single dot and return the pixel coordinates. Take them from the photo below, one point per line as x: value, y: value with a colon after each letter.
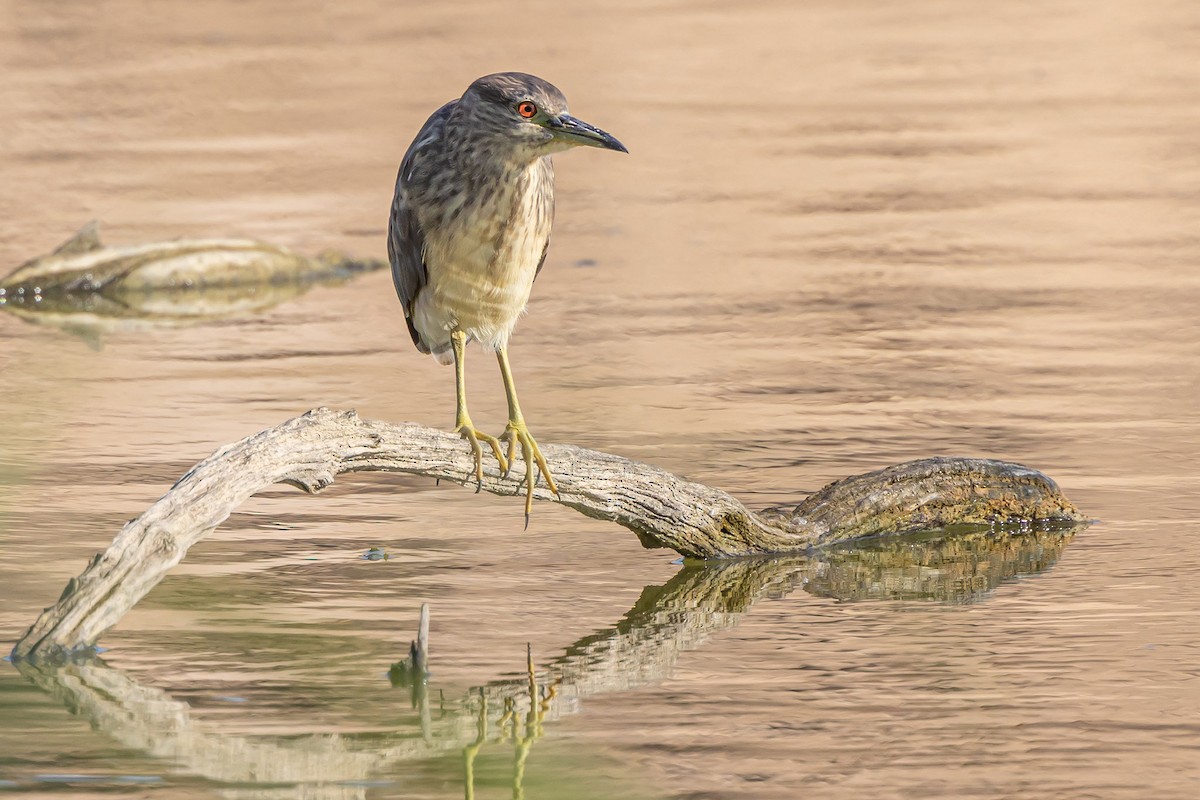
x: 469, y: 229
x: 472, y: 214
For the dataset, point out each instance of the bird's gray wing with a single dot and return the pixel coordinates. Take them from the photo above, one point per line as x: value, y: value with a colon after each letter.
x: 406, y: 239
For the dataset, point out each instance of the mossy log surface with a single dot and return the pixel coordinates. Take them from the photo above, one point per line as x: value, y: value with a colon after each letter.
x: 697, y: 521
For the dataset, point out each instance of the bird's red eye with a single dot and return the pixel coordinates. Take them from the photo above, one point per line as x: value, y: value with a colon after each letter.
x: 526, y: 109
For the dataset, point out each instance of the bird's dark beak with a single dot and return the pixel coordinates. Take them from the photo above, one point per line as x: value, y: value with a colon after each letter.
x: 577, y: 132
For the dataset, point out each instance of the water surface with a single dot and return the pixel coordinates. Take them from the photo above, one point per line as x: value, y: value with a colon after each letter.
x: 847, y: 235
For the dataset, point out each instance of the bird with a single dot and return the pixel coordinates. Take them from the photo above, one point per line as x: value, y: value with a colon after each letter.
x: 469, y: 231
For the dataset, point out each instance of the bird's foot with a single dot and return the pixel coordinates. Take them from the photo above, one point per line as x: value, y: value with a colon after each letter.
x: 474, y: 437
x: 516, y: 433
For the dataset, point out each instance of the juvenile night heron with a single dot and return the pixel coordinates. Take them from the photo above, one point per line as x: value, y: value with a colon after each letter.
x: 469, y: 231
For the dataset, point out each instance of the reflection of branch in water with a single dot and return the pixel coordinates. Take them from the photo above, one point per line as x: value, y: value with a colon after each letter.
x: 954, y: 569
x: 151, y: 721
x: 640, y: 649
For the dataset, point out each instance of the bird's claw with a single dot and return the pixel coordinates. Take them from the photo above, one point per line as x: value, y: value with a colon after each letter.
x: 473, y: 437
x: 516, y: 433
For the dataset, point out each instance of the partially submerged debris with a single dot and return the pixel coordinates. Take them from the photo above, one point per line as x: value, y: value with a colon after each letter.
x: 181, y: 279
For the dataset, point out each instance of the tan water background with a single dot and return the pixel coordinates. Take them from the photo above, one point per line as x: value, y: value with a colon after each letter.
x: 847, y: 234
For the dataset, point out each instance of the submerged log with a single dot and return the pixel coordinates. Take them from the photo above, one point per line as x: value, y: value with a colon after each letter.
x: 181, y: 280
x: 84, y: 264
x: 664, y: 510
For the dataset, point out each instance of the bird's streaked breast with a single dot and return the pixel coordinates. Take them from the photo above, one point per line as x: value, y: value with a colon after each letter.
x: 483, y: 256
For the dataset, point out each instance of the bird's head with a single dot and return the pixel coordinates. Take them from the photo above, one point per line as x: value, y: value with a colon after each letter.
x: 530, y: 114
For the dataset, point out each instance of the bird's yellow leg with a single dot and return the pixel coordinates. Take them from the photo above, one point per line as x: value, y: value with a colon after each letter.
x: 517, y: 433
x: 462, y: 420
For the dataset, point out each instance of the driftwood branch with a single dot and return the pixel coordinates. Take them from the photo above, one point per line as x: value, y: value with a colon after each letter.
x: 662, y: 509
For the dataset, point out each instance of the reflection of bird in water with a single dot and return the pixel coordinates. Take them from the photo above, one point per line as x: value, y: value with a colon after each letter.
x: 539, y: 705
x: 469, y: 229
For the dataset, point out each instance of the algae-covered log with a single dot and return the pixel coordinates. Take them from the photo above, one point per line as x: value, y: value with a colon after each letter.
x: 664, y: 510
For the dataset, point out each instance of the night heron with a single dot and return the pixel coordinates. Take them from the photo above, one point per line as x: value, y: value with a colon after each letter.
x: 469, y: 230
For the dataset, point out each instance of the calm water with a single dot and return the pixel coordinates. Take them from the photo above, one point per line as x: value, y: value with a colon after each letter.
x: 848, y: 235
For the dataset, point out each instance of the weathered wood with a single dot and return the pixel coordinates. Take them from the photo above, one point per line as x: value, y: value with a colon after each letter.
x: 663, y: 510
x: 82, y: 264
x: 178, y: 282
